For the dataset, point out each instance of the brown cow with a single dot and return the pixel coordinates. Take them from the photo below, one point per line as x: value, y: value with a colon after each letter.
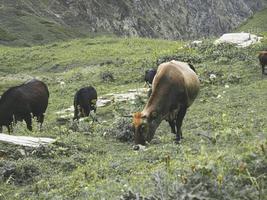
x: 263, y: 60
x: 174, y: 89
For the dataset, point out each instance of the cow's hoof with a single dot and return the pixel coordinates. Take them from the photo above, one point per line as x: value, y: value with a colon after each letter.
x: 177, y: 141
x: 136, y: 147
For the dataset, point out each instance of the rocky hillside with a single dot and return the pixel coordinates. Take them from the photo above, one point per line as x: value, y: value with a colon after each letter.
x: 40, y: 21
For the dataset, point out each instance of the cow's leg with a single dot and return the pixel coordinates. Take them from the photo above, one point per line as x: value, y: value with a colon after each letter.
x: 28, y: 120
x: 172, y: 125
x: 262, y: 68
x: 40, y: 119
x: 76, y: 113
x: 179, y: 121
x: 93, y: 118
x: 9, y: 128
x: 1, y: 129
x: 11, y: 123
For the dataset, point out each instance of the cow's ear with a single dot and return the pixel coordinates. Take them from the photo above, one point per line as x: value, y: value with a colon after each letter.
x: 154, y: 114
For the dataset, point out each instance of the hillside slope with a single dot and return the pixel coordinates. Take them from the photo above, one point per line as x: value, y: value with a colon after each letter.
x: 256, y: 24
x: 224, y: 151
x: 40, y: 21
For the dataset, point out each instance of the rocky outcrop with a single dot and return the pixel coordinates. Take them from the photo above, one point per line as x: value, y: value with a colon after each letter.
x: 239, y: 39
x: 170, y: 19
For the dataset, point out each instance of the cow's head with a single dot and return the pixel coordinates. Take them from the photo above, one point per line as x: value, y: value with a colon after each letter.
x: 93, y: 105
x: 145, y: 127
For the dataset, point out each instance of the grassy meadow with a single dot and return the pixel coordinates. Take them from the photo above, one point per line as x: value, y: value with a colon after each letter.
x: 224, y: 151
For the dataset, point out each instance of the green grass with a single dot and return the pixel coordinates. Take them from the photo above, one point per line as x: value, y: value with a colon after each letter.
x: 223, y: 154
x: 256, y: 24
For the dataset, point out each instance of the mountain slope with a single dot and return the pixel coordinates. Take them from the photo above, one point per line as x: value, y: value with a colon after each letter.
x: 256, y: 24
x: 40, y: 21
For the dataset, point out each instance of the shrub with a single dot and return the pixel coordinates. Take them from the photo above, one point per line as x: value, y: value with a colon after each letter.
x: 107, y: 77
x: 122, y: 129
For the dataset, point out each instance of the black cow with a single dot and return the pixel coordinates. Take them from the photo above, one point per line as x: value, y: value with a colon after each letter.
x: 263, y: 60
x: 149, y: 75
x: 22, y: 102
x: 84, y: 101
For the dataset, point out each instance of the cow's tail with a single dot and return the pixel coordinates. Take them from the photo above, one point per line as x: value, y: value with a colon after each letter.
x: 76, y: 112
x: 46, y: 88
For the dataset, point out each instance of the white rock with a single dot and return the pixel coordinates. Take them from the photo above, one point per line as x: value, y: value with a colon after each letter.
x: 62, y: 84
x: 103, y: 102
x: 108, y: 99
x: 139, y: 147
x: 26, y: 140
x: 239, y: 39
x: 212, y: 77
x: 197, y: 42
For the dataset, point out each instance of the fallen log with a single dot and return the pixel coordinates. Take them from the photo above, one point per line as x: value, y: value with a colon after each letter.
x: 26, y: 140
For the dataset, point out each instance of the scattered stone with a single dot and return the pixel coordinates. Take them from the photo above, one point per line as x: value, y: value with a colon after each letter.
x: 219, y: 96
x: 22, y: 152
x: 101, y: 102
x: 195, y: 43
x: 212, y: 77
x: 106, y: 100
x: 139, y: 147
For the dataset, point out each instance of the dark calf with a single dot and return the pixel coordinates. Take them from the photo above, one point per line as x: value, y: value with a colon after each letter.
x: 84, y: 101
x: 263, y: 60
x: 149, y: 76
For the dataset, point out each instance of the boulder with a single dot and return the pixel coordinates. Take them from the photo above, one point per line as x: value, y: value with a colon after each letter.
x: 239, y: 39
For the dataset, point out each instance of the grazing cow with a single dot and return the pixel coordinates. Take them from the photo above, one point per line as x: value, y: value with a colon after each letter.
x: 149, y: 76
x: 263, y: 60
x: 84, y: 101
x: 174, y: 89
x: 22, y: 102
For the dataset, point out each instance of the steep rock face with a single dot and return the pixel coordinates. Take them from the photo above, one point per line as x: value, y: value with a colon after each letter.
x: 169, y: 19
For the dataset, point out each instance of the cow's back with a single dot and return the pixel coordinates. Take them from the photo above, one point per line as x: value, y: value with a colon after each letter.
x: 85, y: 95
x: 36, y: 93
x: 180, y: 77
x: 191, y: 81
